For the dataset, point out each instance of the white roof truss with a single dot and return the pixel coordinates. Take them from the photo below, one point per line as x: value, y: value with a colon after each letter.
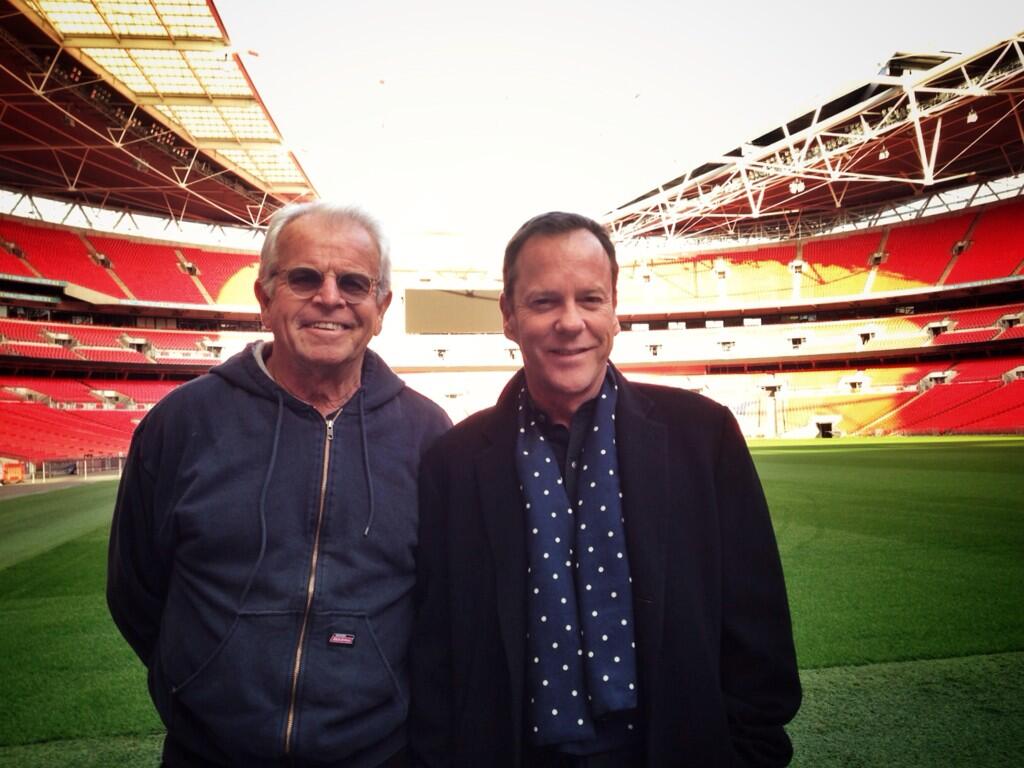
x: 830, y: 154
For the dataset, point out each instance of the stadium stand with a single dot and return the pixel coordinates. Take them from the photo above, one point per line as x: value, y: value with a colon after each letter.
x: 967, y: 318
x: 695, y: 278
x: 966, y: 337
x: 151, y: 272
x: 983, y: 318
x: 39, y: 351
x: 37, y: 432
x: 914, y: 255
x: 89, y: 335
x: 995, y: 249
x: 838, y: 266
x: 760, y: 275
x: 59, y: 254
x: 178, y: 340
x: 216, y: 267
x: 1002, y: 411
x: 797, y: 336
x: 50, y: 389
x: 21, y: 330
x: 927, y: 412
x: 137, y: 392
x: 846, y: 414
x: 918, y: 254
x: 12, y: 265
x: 111, y: 355
x: 986, y: 370
x: 896, y: 376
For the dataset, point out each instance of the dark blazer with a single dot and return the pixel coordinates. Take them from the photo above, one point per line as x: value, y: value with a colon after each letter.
x: 717, y: 668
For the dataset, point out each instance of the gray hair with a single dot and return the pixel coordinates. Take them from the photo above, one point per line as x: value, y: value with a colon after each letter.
x: 334, y: 213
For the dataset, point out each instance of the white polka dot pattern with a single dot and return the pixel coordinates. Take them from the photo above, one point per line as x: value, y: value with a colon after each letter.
x: 576, y: 597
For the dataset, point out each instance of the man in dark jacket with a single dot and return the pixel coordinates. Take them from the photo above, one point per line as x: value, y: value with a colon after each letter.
x: 261, y: 556
x: 598, y: 579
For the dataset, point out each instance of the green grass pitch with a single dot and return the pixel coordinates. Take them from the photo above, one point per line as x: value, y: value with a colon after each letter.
x: 904, y: 561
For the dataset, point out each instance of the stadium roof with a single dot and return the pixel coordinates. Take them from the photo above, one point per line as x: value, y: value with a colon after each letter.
x: 925, y: 123
x: 138, y: 104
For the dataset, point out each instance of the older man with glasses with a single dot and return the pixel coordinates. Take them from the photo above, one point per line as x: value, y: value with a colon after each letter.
x: 261, y: 556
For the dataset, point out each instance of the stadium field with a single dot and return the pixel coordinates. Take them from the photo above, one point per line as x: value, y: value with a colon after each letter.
x: 904, y: 560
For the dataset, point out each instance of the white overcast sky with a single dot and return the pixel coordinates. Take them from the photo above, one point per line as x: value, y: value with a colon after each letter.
x: 454, y: 121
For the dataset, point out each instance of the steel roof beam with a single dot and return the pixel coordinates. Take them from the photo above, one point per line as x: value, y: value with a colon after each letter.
x: 145, y: 43
x: 908, y: 110
x: 185, y: 100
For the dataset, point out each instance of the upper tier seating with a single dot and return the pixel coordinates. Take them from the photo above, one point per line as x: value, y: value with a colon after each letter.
x: 151, y: 272
x: 59, y: 254
x: 12, y: 265
x: 216, y: 268
x: 996, y: 246
x: 838, y: 266
x: 918, y: 254
x: 760, y: 275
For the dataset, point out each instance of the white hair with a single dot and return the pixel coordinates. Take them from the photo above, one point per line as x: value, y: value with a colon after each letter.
x: 334, y: 213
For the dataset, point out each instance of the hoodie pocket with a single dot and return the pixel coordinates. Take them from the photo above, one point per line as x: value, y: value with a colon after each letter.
x: 347, y: 696
x: 350, y: 696
x: 240, y: 693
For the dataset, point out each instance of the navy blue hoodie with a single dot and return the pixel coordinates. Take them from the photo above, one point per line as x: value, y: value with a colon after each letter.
x: 262, y: 565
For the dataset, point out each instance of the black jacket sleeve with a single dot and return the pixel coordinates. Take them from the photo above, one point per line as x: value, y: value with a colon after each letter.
x: 430, y: 717
x: 759, y: 675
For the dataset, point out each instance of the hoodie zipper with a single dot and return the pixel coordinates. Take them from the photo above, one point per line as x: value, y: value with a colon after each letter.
x: 310, y: 587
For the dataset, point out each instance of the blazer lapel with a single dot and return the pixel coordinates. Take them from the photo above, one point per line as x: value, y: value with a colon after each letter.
x: 643, y: 465
x: 501, y: 506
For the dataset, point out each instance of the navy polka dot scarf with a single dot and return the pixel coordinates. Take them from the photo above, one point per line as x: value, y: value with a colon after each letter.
x: 581, y: 660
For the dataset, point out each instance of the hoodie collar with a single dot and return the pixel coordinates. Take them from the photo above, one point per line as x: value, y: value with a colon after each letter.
x: 379, y: 382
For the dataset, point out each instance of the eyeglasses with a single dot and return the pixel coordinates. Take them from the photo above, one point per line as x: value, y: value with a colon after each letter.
x: 305, y: 282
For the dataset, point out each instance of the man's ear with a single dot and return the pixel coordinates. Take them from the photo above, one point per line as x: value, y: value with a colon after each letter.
x: 383, y: 307
x: 508, y: 318
x: 263, y: 299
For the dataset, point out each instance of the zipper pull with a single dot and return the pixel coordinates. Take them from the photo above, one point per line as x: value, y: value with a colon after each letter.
x: 330, y: 429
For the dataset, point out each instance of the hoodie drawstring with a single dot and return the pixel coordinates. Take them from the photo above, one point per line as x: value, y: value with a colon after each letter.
x: 263, y: 499
x: 366, y: 463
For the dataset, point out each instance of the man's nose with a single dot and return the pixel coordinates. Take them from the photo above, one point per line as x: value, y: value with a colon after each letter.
x: 571, y: 319
x: 328, y: 293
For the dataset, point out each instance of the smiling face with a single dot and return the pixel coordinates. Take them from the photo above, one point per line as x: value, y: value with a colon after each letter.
x: 322, y: 337
x: 562, y: 315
